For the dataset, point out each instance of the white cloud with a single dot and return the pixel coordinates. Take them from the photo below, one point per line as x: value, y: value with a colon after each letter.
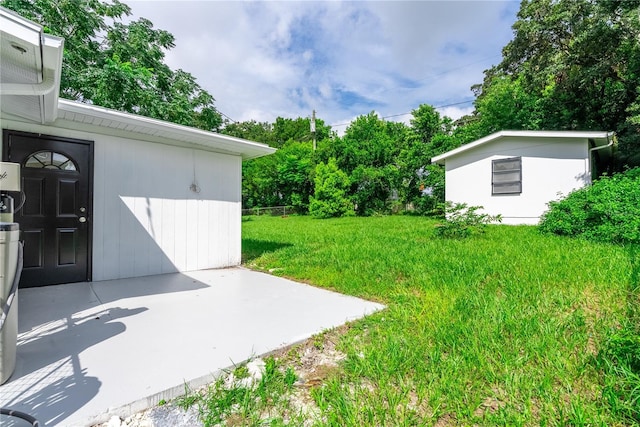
x: 261, y: 60
x: 455, y: 112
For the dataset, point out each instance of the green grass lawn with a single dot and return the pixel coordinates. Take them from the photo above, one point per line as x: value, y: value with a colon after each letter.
x: 502, y: 328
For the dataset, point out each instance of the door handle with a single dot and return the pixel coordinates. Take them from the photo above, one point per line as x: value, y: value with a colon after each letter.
x: 82, y: 219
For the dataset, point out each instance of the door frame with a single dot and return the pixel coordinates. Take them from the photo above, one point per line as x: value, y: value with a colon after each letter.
x: 6, y: 133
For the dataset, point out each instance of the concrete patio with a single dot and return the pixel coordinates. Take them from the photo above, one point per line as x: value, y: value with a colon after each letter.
x: 87, y: 351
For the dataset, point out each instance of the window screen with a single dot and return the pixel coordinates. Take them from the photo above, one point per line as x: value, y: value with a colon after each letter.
x: 506, y: 176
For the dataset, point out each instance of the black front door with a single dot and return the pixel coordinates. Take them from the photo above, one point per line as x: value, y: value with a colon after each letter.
x: 54, y: 220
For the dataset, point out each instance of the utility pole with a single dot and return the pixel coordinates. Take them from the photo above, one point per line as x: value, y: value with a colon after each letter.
x: 313, y: 128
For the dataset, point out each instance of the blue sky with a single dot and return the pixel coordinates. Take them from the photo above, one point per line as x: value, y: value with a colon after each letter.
x: 261, y: 60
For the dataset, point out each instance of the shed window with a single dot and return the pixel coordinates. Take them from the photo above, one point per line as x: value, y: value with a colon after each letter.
x: 50, y: 160
x: 506, y: 176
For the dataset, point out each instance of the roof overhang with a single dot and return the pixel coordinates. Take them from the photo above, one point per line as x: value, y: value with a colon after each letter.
x: 598, y: 138
x: 30, y: 69
x: 78, y: 116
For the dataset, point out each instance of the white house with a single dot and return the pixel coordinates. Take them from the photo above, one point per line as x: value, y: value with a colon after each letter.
x: 108, y: 194
x: 516, y: 173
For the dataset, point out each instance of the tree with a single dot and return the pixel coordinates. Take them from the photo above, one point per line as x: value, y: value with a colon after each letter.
x: 570, y: 65
x: 283, y: 178
x: 414, y: 159
x: 505, y: 104
x: 299, y: 130
x: 368, y: 153
x: 119, y: 65
x: 426, y: 123
x: 330, y: 194
x: 252, y: 131
x: 294, y: 175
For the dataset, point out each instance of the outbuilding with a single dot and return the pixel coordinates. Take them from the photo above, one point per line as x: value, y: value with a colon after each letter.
x: 516, y: 174
x: 111, y: 195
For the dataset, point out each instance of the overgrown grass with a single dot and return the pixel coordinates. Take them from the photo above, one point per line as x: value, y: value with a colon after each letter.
x: 502, y: 328
x: 232, y: 400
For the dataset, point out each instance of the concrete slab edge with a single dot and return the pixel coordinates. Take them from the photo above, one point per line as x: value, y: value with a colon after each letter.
x: 196, y: 383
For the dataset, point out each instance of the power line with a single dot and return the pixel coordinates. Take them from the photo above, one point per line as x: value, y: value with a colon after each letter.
x: 223, y: 114
x: 404, y: 114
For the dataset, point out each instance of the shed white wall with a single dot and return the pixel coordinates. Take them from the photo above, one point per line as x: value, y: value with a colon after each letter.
x: 551, y: 169
x: 146, y: 220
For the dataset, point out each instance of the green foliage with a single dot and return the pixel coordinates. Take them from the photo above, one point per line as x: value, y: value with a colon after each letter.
x: 294, y: 175
x: 299, y: 130
x: 608, y: 210
x: 330, y: 198
x: 461, y: 220
x: 388, y: 164
x: 371, y: 189
x: 570, y: 65
x: 505, y: 104
x: 283, y: 178
x: 252, y: 131
x: 426, y: 123
x: 117, y: 63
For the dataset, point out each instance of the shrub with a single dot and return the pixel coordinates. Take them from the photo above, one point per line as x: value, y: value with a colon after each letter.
x: 329, y: 199
x: 607, y: 211
x: 462, y: 220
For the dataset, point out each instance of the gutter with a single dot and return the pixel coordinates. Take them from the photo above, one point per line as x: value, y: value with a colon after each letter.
x: 47, y: 85
x: 611, y: 141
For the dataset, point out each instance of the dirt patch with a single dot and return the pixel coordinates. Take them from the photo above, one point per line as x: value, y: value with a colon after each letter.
x: 490, y: 405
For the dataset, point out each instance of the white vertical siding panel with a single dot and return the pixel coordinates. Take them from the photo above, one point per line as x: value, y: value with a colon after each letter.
x: 139, y: 238
x: 155, y: 223
x: 235, y: 220
x: 212, y: 240
x: 111, y: 223
x: 223, y: 235
x: 203, y: 236
x: 235, y: 237
x: 98, y: 252
x: 168, y: 241
x: 192, y: 235
x: 225, y: 195
x: 153, y: 211
x: 128, y: 223
x: 141, y: 245
x: 180, y: 259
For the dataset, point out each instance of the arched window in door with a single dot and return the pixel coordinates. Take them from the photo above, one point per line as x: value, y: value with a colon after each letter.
x: 50, y: 160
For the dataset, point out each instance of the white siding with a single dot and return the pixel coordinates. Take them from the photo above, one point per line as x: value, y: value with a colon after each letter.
x: 551, y: 168
x: 146, y: 220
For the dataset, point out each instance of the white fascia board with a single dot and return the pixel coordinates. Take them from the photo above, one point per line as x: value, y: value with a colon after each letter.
x: 22, y: 28
x: 117, y: 119
x: 595, y: 135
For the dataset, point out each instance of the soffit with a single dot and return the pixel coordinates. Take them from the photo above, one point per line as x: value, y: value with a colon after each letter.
x: 75, y: 115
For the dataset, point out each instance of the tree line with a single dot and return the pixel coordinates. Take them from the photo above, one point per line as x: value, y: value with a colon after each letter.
x: 571, y: 65
x: 377, y: 166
